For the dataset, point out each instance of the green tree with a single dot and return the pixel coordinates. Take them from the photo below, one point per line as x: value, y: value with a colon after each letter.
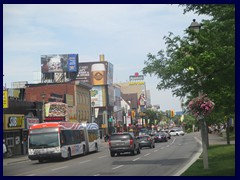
x: 152, y: 115
x: 207, y: 66
x: 211, y: 61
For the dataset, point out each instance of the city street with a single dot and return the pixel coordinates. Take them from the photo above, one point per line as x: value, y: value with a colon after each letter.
x: 166, y: 159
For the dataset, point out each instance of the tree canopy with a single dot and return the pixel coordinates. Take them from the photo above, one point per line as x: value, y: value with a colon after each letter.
x: 187, y: 67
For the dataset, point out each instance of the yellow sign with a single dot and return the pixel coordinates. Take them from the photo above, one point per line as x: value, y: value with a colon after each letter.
x: 13, y: 121
x: 136, y: 83
x: 104, y: 126
x: 5, y: 99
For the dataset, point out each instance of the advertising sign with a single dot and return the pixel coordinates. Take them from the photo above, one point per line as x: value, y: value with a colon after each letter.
x: 31, y: 121
x: 98, y: 95
x: 5, y: 99
x: 13, y: 121
x: 56, y: 111
x: 136, y: 83
x: 136, y: 78
x: 95, y: 73
x: 59, y: 63
x: 72, y: 63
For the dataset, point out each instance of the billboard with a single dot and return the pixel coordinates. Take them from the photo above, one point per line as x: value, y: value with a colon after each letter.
x: 95, y: 73
x: 56, y: 111
x: 59, y: 63
x: 98, y: 95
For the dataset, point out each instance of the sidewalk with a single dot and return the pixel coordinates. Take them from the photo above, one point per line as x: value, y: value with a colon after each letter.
x: 213, y: 139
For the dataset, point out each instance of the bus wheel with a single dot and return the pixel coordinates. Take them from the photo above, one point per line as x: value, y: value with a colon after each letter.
x: 96, y: 147
x: 69, y: 154
x: 84, y: 150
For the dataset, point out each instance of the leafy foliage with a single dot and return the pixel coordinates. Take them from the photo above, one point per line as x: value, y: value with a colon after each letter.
x: 187, y: 67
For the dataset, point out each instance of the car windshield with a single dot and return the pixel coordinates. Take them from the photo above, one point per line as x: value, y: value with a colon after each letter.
x: 119, y: 136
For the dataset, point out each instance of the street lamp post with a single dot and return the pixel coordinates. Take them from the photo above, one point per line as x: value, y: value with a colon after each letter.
x: 93, y: 111
x: 43, y: 95
x: 195, y: 26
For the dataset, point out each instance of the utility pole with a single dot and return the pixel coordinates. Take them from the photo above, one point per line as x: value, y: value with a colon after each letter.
x: 195, y: 26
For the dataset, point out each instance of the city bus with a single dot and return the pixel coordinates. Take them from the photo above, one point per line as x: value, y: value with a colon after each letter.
x: 62, y: 140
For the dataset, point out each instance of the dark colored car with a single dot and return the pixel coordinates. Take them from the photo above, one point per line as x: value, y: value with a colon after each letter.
x: 146, y: 141
x: 123, y: 142
x: 161, y: 137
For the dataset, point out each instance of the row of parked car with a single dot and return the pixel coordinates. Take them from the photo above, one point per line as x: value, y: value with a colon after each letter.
x: 127, y: 142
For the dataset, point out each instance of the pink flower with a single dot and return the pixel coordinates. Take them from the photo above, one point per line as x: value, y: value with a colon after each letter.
x: 201, y: 106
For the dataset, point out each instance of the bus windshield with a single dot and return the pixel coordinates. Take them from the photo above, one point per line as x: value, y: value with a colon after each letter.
x: 46, y: 140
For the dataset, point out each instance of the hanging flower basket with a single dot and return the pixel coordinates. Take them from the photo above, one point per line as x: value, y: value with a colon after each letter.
x: 200, y: 107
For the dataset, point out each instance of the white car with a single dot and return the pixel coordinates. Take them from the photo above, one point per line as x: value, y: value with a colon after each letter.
x: 176, y: 132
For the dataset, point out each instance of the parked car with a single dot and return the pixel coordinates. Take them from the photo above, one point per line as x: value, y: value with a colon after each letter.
x: 180, y: 132
x: 146, y: 141
x: 167, y: 132
x: 123, y: 142
x: 176, y: 132
x: 161, y: 137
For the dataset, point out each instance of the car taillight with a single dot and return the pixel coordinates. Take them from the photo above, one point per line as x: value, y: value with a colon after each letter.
x: 109, y: 143
x: 131, y: 142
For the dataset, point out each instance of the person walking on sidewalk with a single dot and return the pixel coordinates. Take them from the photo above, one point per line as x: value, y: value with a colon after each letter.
x: 4, y: 148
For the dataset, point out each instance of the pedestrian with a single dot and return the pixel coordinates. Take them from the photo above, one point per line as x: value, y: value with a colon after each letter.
x: 106, y: 138
x: 4, y: 148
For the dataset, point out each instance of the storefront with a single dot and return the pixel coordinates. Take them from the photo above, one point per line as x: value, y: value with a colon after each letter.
x: 13, y: 125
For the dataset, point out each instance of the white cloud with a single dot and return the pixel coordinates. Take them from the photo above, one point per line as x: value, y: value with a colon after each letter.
x: 124, y: 33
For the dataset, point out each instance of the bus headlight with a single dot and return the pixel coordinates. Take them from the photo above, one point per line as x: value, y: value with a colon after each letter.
x: 30, y: 152
x: 56, y: 150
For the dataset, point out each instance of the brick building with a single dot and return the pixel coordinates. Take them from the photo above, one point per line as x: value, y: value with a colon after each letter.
x: 74, y: 93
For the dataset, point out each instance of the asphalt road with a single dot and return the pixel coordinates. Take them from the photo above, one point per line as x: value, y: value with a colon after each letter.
x: 166, y: 159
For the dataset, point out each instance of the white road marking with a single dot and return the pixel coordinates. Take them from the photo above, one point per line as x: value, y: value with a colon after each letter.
x: 96, y: 175
x: 59, y: 168
x: 31, y: 175
x: 102, y: 157
x: 167, y: 145
x: 136, y: 159
x: 147, y: 154
x: 162, y: 148
x: 156, y: 150
x: 117, y: 167
x: 84, y: 161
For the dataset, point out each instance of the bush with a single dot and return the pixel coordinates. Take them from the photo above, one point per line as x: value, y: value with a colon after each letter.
x: 189, y: 130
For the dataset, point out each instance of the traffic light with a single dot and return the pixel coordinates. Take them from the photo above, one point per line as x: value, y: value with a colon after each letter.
x: 172, y: 113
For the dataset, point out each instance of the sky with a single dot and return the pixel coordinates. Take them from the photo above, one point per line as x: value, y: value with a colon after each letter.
x: 124, y: 33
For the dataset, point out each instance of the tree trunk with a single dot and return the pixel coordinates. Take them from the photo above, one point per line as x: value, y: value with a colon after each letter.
x: 204, y: 144
x: 227, y: 132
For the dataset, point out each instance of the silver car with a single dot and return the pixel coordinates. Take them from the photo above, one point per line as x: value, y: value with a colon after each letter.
x: 123, y: 142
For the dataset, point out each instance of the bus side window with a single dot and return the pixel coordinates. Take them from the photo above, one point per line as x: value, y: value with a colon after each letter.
x: 63, y: 138
x: 82, y: 138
